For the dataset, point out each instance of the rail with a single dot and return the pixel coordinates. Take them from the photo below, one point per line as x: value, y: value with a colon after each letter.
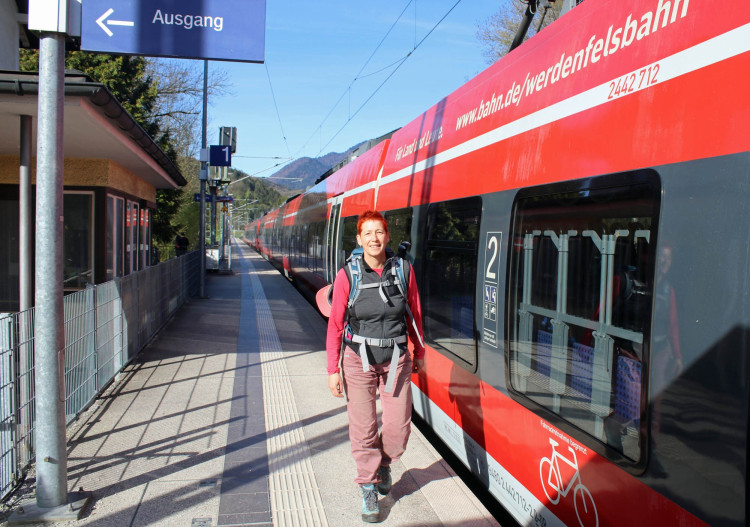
x: 106, y: 326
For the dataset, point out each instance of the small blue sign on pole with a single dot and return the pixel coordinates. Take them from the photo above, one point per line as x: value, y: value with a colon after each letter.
x: 199, y: 29
x: 209, y: 198
x: 220, y: 156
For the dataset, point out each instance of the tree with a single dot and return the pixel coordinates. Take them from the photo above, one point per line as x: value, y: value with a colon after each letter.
x: 127, y: 79
x: 124, y: 76
x: 498, y: 31
x: 178, y: 106
x: 165, y: 98
x: 252, y: 188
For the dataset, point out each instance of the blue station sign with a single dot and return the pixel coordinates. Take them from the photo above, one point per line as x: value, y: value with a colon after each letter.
x: 199, y: 29
x: 209, y: 198
x: 220, y: 155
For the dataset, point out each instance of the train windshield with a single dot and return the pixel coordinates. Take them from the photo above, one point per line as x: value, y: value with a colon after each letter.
x: 581, y: 287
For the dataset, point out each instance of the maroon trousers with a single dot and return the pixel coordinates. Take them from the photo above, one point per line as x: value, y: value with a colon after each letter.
x: 371, y: 449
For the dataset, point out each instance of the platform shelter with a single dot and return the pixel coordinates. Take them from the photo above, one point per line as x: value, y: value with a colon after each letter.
x: 112, y: 171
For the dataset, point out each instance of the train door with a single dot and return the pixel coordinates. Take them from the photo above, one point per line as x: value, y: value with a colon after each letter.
x: 332, y: 237
x: 451, y: 244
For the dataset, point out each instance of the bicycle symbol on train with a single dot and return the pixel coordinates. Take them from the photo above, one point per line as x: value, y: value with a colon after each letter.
x: 554, y: 489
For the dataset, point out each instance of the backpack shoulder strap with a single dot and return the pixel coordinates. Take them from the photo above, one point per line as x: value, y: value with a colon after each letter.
x: 354, y: 272
x: 401, y: 268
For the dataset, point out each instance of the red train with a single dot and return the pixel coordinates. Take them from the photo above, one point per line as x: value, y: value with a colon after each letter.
x: 579, y: 218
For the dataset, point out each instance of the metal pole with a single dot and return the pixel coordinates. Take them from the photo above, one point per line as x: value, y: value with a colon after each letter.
x: 25, y: 230
x: 221, y: 241
x: 203, y: 176
x: 49, y: 336
x: 26, y: 282
x: 214, y: 195
x: 203, y: 238
x: 525, y: 24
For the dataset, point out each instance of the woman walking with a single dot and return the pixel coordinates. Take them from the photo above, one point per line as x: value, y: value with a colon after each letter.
x: 375, y: 306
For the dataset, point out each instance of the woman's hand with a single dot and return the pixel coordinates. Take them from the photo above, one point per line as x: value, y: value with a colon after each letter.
x: 335, y: 385
x: 417, y: 365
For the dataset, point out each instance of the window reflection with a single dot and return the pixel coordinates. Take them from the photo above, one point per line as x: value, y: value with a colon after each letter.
x: 399, y: 228
x: 78, y: 240
x: 581, y: 281
x: 450, y: 278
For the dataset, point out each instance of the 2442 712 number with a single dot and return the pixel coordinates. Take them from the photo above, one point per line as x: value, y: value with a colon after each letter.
x: 631, y: 82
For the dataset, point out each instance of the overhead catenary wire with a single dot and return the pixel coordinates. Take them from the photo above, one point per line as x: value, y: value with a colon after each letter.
x: 264, y: 157
x: 398, y: 63
x: 256, y: 174
x: 388, y: 77
x: 278, y: 115
x: 356, y: 77
x: 382, y: 69
x: 283, y: 135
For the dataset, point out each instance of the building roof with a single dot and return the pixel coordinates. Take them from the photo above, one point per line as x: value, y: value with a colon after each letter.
x: 95, y: 126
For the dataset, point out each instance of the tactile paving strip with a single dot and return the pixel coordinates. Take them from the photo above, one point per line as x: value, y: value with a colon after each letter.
x: 295, y: 498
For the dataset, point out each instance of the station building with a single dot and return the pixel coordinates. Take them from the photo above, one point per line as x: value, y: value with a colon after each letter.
x: 112, y: 171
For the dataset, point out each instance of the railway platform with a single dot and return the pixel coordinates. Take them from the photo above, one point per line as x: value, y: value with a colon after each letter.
x: 225, y: 419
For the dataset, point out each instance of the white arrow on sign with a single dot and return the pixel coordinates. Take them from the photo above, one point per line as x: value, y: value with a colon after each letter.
x: 102, y: 18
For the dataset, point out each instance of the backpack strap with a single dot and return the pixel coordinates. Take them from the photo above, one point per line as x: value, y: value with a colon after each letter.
x: 354, y: 273
x: 400, y: 270
x: 397, y: 268
x: 399, y: 276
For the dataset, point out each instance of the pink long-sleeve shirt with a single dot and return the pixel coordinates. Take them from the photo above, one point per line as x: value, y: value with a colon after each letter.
x: 337, y: 320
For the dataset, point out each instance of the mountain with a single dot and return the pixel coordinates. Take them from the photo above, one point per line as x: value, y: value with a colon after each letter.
x: 302, y: 173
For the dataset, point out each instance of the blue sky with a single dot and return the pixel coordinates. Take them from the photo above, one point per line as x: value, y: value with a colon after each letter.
x: 315, y: 49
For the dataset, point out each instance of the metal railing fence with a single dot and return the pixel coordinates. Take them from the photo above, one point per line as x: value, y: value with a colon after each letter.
x: 105, y: 327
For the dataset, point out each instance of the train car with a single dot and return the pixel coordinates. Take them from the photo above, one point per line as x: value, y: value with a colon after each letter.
x: 251, y: 234
x: 579, y: 225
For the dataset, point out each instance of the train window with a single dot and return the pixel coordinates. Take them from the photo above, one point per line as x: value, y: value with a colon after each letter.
x: 399, y: 227
x: 286, y: 240
x: 450, y: 279
x: 349, y: 236
x: 304, y: 240
x: 580, y: 290
x: 315, y: 245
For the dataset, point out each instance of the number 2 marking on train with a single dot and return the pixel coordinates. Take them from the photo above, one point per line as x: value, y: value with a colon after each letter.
x: 490, y: 316
x: 492, y: 245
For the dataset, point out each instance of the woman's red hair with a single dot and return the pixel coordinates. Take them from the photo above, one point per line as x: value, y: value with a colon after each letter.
x: 371, y: 215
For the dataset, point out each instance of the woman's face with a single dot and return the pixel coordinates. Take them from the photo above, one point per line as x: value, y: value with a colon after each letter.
x: 373, y: 238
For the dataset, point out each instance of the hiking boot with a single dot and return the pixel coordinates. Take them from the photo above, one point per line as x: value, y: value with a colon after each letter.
x: 384, y: 487
x: 370, y: 509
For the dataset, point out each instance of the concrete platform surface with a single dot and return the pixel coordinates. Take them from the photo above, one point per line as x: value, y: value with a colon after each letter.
x: 226, y: 420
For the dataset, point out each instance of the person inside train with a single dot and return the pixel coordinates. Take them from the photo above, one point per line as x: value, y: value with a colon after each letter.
x: 372, y: 332
x: 666, y: 356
